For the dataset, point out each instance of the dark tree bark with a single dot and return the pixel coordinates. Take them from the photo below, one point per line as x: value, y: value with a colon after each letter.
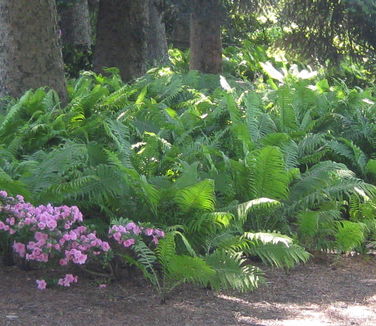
x: 157, y: 42
x: 75, y: 23
x: 30, y: 52
x: 93, y: 5
x: 205, y: 36
x: 180, y: 34
x: 122, y: 37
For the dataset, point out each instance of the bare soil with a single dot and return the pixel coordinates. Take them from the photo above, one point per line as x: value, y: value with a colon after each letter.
x: 332, y: 291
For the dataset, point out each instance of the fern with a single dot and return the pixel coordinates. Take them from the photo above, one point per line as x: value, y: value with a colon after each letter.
x: 275, y: 249
x: 120, y: 135
x: 145, y: 262
x: 253, y: 205
x: 326, y: 181
x: 231, y: 272
x: 270, y: 177
x: 190, y: 269
x: 12, y: 186
x: 349, y: 235
x: 197, y: 197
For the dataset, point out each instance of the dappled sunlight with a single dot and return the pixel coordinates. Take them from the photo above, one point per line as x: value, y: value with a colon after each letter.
x: 313, y: 295
x: 358, y: 312
x: 286, y: 314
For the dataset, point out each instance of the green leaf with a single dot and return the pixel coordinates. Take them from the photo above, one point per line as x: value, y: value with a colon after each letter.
x: 270, y: 176
x: 349, y: 235
x: 197, y: 197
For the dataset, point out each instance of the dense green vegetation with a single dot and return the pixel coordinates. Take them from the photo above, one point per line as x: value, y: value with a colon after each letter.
x: 271, y: 160
x: 238, y: 167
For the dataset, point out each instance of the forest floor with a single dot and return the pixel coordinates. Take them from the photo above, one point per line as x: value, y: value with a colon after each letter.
x: 330, y: 291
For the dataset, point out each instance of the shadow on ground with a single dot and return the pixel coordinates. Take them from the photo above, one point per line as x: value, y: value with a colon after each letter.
x: 341, y: 292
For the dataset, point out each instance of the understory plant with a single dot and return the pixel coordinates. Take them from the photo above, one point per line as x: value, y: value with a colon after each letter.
x: 55, y: 235
x: 291, y: 154
x: 48, y: 234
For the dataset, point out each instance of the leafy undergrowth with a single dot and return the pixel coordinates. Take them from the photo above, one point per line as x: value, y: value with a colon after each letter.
x: 232, y: 170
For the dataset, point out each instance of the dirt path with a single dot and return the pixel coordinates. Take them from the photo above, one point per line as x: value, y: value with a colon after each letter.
x: 341, y: 294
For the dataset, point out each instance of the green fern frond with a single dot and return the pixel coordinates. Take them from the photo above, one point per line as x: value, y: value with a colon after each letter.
x: 275, y: 249
x: 286, y: 117
x: 370, y: 168
x: 190, y: 269
x: 316, y: 228
x: 239, y: 128
x: 210, y: 222
x: 197, y: 197
x: 326, y: 181
x: 119, y: 133
x: 166, y: 249
x: 231, y: 272
x: 145, y: 261
x: 254, y: 205
x: 253, y: 112
x: 13, y: 187
x: 270, y: 177
x: 349, y: 235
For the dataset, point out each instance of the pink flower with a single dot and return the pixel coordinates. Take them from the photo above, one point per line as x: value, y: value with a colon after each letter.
x: 133, y: 227
x: 102, y: 286
x: 78, y: 256
x: 67, y: 280
x: 159, y: 233
x: 117, y: 236
x: 105, y: 246
x: 63, y: 262
x: 11, y: 221
x: 148, y: 232
x: 40, y: 236
x: 19, y: 248
x: 51, y: 224
x: 41, y: 284
x: 128, y: 243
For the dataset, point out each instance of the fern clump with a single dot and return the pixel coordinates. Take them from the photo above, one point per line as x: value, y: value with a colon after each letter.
x: 223, y: 160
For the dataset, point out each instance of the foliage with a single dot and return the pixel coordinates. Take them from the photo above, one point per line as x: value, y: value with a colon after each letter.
x: 240, y: 170
x: 47, y: 234
x: 335, y: 27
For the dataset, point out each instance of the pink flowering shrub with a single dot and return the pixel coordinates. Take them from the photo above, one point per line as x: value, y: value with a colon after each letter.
x: 48, y: 234
x: 126, y: 234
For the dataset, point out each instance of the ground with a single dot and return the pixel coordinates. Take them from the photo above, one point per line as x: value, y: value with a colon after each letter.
x: 332, y: 291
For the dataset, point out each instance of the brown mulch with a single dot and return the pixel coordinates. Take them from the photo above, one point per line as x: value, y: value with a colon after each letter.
x: 334, y: 291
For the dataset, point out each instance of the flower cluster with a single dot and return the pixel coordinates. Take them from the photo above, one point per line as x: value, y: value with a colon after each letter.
x: 125, y: 235
x: 45, y: 218
x: 47, y: 233
x: 67, y: 280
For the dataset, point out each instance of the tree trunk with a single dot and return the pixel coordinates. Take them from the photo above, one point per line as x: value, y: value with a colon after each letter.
x: 75, y: 23
x: 122, y: 37
x: 30, y: 53
x: 157, y: 42
x: 180, y: 34
x: 205, y: 37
